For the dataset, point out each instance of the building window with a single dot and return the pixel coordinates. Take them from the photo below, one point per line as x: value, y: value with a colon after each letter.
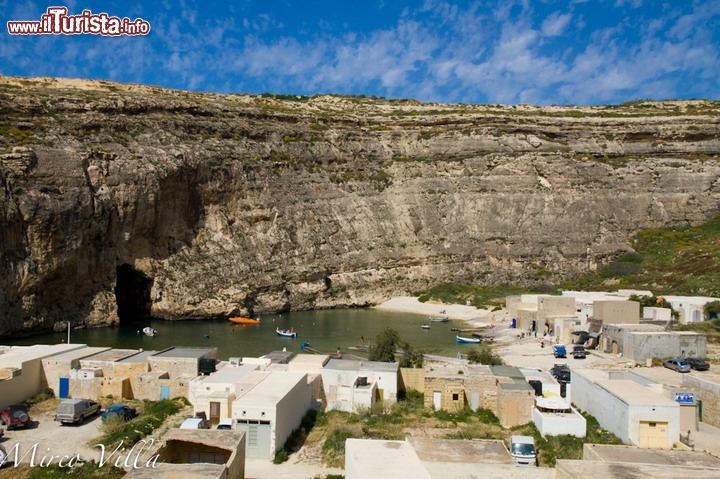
x: 456, y: 396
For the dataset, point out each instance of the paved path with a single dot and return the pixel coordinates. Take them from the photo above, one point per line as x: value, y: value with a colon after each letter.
x: 706, y: 439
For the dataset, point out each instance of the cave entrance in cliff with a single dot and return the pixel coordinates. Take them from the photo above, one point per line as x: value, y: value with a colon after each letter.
x: 132, y: 294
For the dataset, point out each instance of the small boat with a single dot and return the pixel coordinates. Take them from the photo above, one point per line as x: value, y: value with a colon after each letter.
x: 241, y: 320
x: 443, y: 319
x: 425, y: 326
x: 360, y: 347
x: 148, y: 331
x: 286, y: 333
x: 461, y: 339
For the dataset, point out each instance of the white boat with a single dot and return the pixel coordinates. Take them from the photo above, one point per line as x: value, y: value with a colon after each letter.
x: 286, y: 333
x: 461, y: 339
x: 148, y: 331
x: 425, y: 326
x: 439, y: 319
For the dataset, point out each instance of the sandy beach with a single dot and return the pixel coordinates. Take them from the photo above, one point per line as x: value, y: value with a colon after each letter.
x: 525, y: 351
x: 470, y: 314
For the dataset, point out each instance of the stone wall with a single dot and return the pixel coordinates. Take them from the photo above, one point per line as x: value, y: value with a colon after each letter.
x: 707, y: 391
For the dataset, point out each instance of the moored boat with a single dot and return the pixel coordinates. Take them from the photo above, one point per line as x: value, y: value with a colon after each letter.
x: 461, y: 339
x: 241, y: 320
x: 439, y: 319
x: 286, y: 333
x: 425, y: 326
x: 148, y: 331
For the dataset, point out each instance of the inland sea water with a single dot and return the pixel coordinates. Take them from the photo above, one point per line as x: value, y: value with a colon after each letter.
x: 324, y: 330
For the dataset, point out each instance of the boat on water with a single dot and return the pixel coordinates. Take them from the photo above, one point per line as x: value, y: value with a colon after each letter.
x: 425, y: 326
x: 360, y: 347
x: 286, y: 333
x: 462, y: 339
x: 440, y: 319
x: 148, y: 331
x: 241, y: 320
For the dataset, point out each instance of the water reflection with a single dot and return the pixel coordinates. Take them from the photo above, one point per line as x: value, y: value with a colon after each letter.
x: 325, y: 330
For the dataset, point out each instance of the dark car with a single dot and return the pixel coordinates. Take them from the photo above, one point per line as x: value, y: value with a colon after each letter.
x: 578, y: 352
x: 561, y: 373
x: 15, y: 416
x: 119, y: 410
x: 679, y: 365
x: 697, y: 364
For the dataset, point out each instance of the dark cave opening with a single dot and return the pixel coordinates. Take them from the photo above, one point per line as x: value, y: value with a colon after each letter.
x: 132, y: 293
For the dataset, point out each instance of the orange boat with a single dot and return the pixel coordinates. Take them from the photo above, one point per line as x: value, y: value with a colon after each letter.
x: 245, y: 320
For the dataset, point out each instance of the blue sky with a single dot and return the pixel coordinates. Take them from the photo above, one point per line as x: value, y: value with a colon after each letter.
x: 539, y: 52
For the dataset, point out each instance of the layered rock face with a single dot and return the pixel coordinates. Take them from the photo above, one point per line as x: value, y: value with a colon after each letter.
x: 123, y: 201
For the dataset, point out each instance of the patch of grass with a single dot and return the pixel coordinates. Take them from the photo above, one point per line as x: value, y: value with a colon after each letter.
x: 87, y: 470
x: 479, y: 296
x: 678, y: 261
x: 710, y: 328
x: 150, y: 417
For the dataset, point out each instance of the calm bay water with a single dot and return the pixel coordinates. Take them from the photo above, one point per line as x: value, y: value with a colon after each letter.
x: 325, y: 330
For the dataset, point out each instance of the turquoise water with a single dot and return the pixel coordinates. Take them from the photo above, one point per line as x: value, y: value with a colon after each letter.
x: 325, y: 330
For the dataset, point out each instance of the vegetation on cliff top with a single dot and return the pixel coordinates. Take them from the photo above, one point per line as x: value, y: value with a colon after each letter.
x: 666, y: 261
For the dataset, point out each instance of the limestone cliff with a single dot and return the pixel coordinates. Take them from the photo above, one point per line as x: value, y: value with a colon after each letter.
x: 125, y: 200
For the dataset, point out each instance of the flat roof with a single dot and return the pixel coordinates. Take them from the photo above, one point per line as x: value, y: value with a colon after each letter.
x: 379, y: 458
x: 273, y: 388
x: 16, y: 355
x: 674, y: 457
x: 351, y: 365
x: 463, y: 451
x: 112, y: 355
x: 77, y: 354
x: 623, y: 470
x: 139, y: 357
x: 281, y: 357
x: 304, y: 361
x: 229, y: 374
x: 183, y: 352
x: 634, y: 394
x: 507, y: 372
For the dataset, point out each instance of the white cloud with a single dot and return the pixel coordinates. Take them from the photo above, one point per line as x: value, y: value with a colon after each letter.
x: 555, y: 24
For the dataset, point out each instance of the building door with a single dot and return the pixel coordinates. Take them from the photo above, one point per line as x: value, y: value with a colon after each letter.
x: 214, y: 412
x: 437, y: 400
x: 474, y: 400
x: 513, y: 413
x: 615, y: 347
x: 653, y: 434
x: 164, y: 392
x: 64, y: 388
x: 257, y: 439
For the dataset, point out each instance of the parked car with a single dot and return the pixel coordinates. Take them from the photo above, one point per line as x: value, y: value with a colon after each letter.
x: 697, y: 364
x: 679, y: 365
x: 559, y: 351
x: 561, y: 373
x: 15, y: 416
x: 2, y: 432
x: 3, y: 455
x: 119, y: 410
x: 75, y: 411
x: 578, y: 352
x: 227, y: 423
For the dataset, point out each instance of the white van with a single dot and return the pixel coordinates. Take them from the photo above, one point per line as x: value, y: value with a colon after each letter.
x: 522, y: 450
x: 195, y: 423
